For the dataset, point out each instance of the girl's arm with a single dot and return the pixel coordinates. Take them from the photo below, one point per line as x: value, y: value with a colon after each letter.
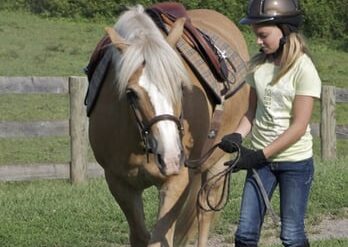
x: 246, y: 122
x: 302, y: 112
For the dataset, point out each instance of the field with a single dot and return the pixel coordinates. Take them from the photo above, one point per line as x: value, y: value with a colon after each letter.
x: 54, y: 213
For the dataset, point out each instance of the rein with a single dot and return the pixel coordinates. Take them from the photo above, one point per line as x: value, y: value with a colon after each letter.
x: 211, y: 183
x: 196, y: 163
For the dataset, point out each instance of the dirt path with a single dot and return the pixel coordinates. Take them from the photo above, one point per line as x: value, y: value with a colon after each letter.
x: 327, y: 229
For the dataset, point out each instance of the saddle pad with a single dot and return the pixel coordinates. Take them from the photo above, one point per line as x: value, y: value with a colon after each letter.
x: 96, y: 78
x: 236, y: 67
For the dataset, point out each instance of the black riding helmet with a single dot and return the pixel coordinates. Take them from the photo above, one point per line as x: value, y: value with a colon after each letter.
x: 283, y: 13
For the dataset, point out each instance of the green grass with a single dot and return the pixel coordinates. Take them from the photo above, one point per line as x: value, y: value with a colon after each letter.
x: 35, y: 150
x: 32, y: 45
x: 55, y: 213
x: 34, y: 107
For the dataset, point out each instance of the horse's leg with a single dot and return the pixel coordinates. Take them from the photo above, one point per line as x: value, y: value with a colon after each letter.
x: 206, y: 218
x: 172, y: 197
x: 130, y: 201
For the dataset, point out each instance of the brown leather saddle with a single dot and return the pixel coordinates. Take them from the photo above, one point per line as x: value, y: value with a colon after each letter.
x: 167, y: 13
x: 220, y: 76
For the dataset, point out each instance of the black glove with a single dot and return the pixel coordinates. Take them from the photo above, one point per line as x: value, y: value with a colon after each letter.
x: 248, y: 159
x: 228, y: 142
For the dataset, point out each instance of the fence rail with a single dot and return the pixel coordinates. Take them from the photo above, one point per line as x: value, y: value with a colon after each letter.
x: 78, y: 169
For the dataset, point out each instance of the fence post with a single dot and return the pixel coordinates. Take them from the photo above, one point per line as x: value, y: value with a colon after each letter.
x: 78, y: 129
x: 328, y: 123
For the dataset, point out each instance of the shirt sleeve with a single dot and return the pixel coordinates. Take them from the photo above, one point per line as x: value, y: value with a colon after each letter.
x: 250, y: 79
x: 308, y: 82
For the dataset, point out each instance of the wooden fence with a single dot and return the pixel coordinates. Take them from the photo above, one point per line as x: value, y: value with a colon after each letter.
x: 328, y: 129
x: 76, y: 127
x: 78, y: 169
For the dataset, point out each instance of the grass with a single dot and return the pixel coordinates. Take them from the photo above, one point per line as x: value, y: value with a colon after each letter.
x: 35, y: 150
x: 36, y: 216
x: 32, y: 45
x: 34, y: 107
x: 55, y: 213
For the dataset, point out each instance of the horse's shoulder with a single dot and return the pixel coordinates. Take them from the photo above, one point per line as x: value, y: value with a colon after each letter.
x: 208, y: 19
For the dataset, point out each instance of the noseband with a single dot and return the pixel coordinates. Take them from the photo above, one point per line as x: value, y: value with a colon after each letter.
x: 145, y: 128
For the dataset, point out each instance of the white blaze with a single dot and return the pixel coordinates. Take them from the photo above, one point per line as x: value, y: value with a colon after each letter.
x: 168, y: 129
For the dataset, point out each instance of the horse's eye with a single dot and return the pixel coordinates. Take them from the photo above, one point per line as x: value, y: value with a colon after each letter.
x: 131, y: 95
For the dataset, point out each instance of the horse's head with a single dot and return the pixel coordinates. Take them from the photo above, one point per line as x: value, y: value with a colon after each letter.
x: 151, y: 75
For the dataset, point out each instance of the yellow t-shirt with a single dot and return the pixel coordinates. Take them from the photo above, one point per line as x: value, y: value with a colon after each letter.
x: 274, y: 105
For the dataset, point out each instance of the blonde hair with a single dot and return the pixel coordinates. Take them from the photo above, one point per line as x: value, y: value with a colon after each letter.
x: 164, y: 67
x: 294, y: 47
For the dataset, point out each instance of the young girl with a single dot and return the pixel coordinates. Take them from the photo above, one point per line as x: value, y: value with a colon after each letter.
x: 284, y: 83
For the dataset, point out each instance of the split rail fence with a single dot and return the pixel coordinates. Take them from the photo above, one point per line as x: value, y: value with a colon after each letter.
x: 78, y: 169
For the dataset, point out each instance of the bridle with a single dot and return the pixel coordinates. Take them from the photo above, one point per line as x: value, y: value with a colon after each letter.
x: 145, y: 127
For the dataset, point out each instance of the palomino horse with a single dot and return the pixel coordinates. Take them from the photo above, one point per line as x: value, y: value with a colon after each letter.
x: 149, y: 86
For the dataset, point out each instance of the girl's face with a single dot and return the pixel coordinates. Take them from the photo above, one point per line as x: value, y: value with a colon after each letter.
x: 267, y: 37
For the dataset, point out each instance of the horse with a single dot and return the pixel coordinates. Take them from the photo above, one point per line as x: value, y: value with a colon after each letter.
x: 153, y: 114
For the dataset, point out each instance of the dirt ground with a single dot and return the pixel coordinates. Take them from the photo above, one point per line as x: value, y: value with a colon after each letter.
x: 327, y: 229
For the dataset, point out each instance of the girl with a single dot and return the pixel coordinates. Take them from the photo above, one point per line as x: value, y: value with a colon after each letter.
x: 284, y: 83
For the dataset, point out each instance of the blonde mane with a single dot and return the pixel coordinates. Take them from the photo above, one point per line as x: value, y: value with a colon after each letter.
x: 163, y: 66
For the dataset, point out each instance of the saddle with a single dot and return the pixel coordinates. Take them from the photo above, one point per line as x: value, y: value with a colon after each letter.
x: 221, y: 74
x: 167, y: 13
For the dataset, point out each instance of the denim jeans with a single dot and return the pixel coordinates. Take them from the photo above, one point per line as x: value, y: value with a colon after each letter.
x: 294, y: 180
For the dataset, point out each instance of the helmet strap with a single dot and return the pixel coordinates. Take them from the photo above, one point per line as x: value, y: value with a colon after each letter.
x: 286, y: 30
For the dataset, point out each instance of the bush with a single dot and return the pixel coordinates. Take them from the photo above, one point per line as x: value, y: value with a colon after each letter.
x: 323, y: 19
x: 326, y: 19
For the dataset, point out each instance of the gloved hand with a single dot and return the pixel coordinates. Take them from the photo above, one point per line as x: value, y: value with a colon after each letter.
x: 248, y: 159
x: 228, y: 142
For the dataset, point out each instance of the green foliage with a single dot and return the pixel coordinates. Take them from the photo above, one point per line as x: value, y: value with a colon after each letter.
x: 90, y: 9
x: 12, y: 5
x: 323, y: 19
x: 326, y: 19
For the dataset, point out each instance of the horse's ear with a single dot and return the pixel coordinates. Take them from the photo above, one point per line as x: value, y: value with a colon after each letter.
x: 176, y: 31
x: 116, y: 39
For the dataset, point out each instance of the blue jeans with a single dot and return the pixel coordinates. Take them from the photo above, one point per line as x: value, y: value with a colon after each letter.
x: 294, y: 180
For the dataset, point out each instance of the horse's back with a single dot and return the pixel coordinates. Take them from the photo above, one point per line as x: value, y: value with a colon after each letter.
x: 219, y: 24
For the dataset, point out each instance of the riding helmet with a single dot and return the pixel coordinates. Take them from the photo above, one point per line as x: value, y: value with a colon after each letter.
x: 273, y: 12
